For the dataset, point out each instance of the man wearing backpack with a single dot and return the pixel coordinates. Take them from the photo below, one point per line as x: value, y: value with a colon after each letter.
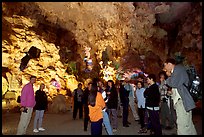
x: 182, y: 100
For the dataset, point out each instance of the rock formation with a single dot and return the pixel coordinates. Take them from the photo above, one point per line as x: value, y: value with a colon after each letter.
x: 125, y: 36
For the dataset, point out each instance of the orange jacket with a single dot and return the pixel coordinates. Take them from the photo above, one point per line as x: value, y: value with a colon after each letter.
x: 95, y: 113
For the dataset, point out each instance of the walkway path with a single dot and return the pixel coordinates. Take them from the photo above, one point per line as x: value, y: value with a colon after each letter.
x: 62, y: 124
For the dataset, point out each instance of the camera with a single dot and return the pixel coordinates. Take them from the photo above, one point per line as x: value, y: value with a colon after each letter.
x: 164, y: 99
x: 25, y: 110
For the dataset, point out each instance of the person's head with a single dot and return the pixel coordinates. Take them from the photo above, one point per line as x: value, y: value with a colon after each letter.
x: 100, y: 83
x: 117, y: 82
x: 126, y: 80
x: 122, y: 82
x: 169, y: 65
x: 140, y: 78
x: 140, y: 84
x: 80, y: 85
x: 151, y: 79
x: 110, y: 83
x: 42, y: 86
x: 89, y: 85
x: 32, y: 79
x: 95, y: 81
x: 162, y: 76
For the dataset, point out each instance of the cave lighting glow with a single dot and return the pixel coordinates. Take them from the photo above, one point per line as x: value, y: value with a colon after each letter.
x: 109, y: 73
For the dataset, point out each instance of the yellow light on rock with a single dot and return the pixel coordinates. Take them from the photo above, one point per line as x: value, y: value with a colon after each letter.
x: 109, y: 73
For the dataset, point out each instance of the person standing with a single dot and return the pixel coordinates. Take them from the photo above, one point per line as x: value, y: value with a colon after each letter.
x: 86, y: 108
x: 112, y: 104
x: 182, y: 100
x: 132, y: 104
x: 96, y: 105
x: 119, y: 108
x: 165, y: 110
x: 27, y: 103
x: 106, y: 120
x: 40, y: 107
x: 124, y: 97
x: 141, y: 105
x: 152, y: 96
x: 78, y: 104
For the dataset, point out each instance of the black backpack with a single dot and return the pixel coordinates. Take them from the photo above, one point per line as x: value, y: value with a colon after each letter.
x: 194, y: 85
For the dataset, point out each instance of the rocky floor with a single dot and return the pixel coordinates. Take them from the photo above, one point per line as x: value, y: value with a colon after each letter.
x: 62, y: 124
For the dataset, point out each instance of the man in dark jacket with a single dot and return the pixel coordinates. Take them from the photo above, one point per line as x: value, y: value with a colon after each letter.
x: 152, y: 96
x: 124, y: 97
x: 78, y: 102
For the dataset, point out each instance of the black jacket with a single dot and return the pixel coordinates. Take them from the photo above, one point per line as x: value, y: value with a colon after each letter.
x: 41, y: 100
x: 85, y: 96
x: 152, y: 96
x: 124, y: 95
x: 112, y: 99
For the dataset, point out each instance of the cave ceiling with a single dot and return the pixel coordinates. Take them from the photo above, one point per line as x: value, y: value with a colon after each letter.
x: 130, y: 35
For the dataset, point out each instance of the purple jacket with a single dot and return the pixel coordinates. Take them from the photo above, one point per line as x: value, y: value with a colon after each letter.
x: 27, y: 96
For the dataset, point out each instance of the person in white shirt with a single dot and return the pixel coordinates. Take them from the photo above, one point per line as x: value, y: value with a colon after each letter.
x: 141, y: 105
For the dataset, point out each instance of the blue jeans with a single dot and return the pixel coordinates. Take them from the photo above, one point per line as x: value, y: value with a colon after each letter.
x: 106, y: 123
x: 113, y: 117
x: 38, y: 118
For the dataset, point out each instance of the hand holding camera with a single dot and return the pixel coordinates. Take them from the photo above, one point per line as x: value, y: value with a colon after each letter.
x: 24, y: 109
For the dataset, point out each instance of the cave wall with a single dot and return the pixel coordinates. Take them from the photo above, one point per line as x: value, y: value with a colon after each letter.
x: 20, y: 33
x: 121, y: 32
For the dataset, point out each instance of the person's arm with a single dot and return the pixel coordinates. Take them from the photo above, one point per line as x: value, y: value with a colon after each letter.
x: 73, y: 93
x: 101, y: 101
x: 136, y: 97
x: 24, y: 96
x: 105, y: 98
x: 46, y: 101
x: 121, y: 94
x: 37, y: 96
x: 177, y: 78
x: 132, y: 90
x: 157, y: 95
x: 145, y: 93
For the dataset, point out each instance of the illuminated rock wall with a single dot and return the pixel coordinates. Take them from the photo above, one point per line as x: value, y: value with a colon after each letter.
x: 137, y: 35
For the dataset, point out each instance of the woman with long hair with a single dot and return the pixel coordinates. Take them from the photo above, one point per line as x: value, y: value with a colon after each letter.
x: 96, y: 104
